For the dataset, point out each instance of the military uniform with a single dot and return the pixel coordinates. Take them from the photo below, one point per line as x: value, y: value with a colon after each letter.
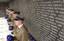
x: 12, y: 27
x: 21, y: 34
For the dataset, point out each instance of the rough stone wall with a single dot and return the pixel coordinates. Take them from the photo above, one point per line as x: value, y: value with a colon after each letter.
x: 51, y: 19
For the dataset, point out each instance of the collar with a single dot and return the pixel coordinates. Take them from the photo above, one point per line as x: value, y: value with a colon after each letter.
x: 20, y: 26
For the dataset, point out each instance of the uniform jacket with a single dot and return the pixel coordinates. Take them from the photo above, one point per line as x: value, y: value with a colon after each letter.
x: 21, y: 34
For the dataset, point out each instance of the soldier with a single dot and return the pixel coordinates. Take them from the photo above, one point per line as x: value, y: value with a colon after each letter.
x: 11, y: 14
x: 21, y: 31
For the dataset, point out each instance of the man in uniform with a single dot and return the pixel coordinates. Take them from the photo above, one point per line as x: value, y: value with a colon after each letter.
x: 11, y: 15
x: 21, y: 31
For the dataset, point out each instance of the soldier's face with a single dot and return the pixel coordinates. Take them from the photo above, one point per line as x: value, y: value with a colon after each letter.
x: 8, y: 12
x: 18, y: 22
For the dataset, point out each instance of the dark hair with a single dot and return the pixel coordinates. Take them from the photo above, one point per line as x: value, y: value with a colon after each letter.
x: 16, y: 12
x: 10, y: 9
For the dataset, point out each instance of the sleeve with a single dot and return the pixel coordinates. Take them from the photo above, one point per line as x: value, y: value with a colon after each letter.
x: 23, y: 36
